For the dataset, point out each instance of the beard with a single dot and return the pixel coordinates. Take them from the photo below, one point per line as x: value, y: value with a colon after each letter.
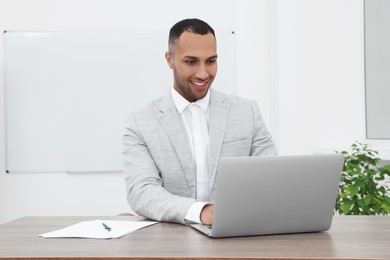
x: 184, y: 89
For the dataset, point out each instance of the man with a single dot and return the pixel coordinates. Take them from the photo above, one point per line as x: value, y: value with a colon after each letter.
x: 172, y: 146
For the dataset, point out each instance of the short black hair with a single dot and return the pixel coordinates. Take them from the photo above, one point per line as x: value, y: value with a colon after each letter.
x: 188, y: 25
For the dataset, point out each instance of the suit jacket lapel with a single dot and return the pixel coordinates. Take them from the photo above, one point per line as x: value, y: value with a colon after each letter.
x: 219, y: 112
x: 173, y: 124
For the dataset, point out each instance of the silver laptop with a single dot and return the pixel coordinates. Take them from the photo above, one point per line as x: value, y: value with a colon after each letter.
x: 274, y: 195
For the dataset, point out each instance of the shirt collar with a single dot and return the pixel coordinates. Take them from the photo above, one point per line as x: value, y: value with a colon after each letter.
x: 181, y: 103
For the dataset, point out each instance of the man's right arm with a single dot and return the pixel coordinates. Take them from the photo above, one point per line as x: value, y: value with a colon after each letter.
x: 145, y: 191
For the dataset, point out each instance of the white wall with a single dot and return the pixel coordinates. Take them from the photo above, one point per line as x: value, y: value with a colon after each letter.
x: 302, y: 60
x: 104, y: 194
x: 318, y: 76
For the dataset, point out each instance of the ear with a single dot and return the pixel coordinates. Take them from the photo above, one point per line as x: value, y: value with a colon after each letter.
x: 169, y: 58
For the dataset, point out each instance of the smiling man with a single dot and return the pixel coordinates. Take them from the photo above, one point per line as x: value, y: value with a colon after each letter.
x: 172, y: 146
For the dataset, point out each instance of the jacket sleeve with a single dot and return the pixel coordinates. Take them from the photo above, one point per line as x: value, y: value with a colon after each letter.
x: 262, y: 143
x: 145, y: 192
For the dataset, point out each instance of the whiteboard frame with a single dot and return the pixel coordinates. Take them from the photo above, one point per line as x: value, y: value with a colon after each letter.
x: 376, y: 66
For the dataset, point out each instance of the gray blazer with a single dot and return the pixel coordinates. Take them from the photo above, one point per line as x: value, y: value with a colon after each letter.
x: 158, y: 165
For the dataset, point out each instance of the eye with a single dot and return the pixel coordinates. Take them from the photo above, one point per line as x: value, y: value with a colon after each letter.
x: 190, y: 62
x: 212, y: 61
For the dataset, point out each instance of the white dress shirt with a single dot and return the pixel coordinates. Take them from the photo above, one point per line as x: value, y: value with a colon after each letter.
x: 196, y: 120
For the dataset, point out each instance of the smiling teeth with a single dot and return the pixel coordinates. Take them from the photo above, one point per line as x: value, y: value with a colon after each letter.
x: 199, y: 84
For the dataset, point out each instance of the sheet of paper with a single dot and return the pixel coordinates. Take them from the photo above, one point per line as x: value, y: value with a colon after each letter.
x: 96, y: 229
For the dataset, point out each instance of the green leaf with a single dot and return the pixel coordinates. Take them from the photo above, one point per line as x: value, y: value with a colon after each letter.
x: 360, y: 202
x: 347, y: 181
x: 344, y: 195
x: 385, y: 170
x: 382, y: 190
x: 378, y: 200
x: 345, y: 208
x: 353, y: 191
x: 367, y: 200
x: 386, y: 208
x: 377, y: 208
x: 360, y: 184
x: 380, y: 178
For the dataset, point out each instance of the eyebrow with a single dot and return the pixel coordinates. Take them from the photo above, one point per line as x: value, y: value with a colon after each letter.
x: 196, y: 58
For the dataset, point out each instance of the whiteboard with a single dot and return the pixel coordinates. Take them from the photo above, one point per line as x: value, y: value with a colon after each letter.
x: 67, y: 94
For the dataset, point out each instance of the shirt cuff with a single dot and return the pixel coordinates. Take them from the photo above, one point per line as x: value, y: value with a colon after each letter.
x: 193, y: 212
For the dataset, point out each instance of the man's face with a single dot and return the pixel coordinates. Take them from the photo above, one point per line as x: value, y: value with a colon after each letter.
x: 194, y: 64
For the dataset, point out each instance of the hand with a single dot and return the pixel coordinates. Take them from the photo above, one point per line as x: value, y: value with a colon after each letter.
x: 206, y: 215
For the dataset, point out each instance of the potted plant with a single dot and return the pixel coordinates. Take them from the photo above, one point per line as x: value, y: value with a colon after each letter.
x: 364, y: 189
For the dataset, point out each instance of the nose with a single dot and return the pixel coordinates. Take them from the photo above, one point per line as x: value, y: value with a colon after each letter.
x: 202, y: 72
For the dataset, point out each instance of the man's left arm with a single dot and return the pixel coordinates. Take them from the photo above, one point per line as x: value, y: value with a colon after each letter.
x: 262, y: 143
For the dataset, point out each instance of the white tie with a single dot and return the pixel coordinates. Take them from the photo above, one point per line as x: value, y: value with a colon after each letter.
x: 199, y: 128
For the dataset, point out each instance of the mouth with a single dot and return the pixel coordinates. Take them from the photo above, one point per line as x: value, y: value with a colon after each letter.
x: 199, y: 85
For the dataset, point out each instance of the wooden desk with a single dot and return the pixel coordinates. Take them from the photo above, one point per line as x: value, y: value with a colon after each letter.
x: 351, y: 237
